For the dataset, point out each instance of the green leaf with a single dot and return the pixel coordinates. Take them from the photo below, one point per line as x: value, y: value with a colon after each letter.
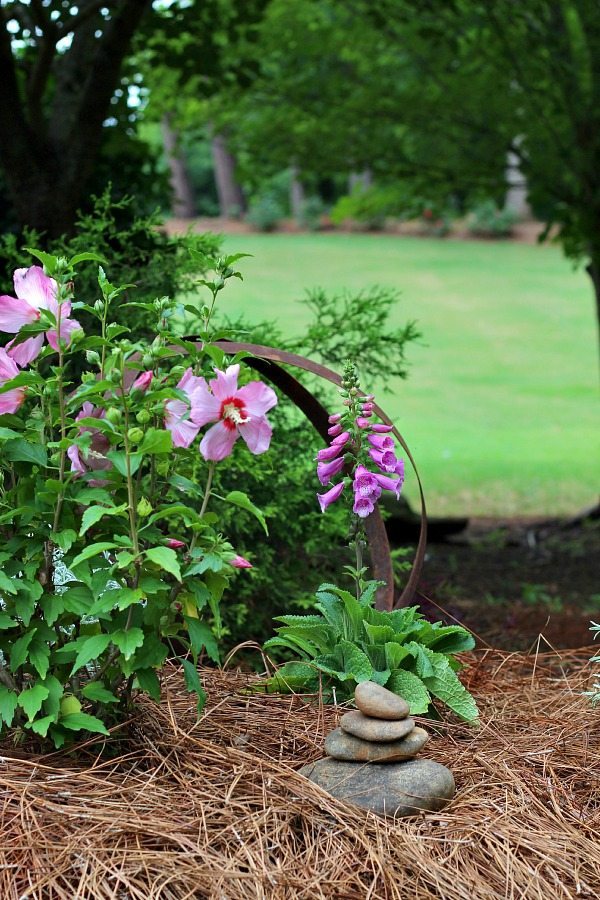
x: 64, y: 539
x: 394, y: 654
x: 98, y: 693
x: 90, y: 649
x: 93, y: 514
x: 41, y: 726
x: 47, y: 260
x: 119, y: 461
x: 193, y: 683
x: 291, y: 677
x: 378, y: 634
x: 31, y: 700
x: 52, y: 606
x: 8, y: 705
x: 346, y: 663
x: 156, y: 441
x: 408, y: 685
x: 20, y: 450
x: 7, y: 433
x: 445, y: 684
x: 84, y: 257
x: 77, y: 599
x: 18, y: 653
x: 39, y: 657
x: 239, y: 498
x: 7, y: 585
x: 201, y: 636
x: 83, y: 722
x: 92, y: 550
x: 6, y: 621
x: 55, y: 692
x: 166, y: 559
x: 128, y: 641
x: 148, y: 682
x: 451, y: 639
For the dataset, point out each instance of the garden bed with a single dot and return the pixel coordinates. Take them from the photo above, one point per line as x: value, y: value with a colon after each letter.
x: 179, y: 809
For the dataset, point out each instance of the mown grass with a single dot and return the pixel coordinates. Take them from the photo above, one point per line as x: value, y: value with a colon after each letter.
x: 500, y: 406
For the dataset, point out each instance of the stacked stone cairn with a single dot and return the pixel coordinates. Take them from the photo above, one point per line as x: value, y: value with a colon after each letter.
x: 371, y: 759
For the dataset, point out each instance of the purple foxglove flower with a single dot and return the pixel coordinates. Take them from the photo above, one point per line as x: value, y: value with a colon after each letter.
x: 381, y: 429
x: 363, y: 507
x: 362, y: 422
x: 367, y: 408
x: 385, y: 459
x: 334, y: 419
x: 341, y: 439
x: 381, y: 442
x: 365, y: 483
x: 330, y: 496
x: 334, y: 430
x: 326, y: 470
x: 328, y: 453
x: 399, y: 470
x: 390, y: 484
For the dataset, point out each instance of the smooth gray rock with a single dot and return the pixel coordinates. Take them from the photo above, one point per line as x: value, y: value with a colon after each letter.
x: 341, y: 745
x: 398, y: 789
x: 376, y: 701
x: 377, y: 730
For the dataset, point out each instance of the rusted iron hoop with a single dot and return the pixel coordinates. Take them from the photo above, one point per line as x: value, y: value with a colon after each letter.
x: 269, y: 362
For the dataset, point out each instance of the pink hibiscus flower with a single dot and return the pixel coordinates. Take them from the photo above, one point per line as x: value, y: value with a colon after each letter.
x: 10, y: 401
x: 236, y: 411
x: 94, y: 458
x: 180, y: 417
x: 35, y: 291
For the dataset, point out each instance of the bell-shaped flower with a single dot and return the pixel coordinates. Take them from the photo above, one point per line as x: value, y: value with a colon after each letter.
x: 236, y: 412
x: 327, y: 470
x: 363, y: 506
x: 379, y: 428
x: 330, y: 496
x: 381, y: 442
x: 35, y: 291
x: 385, y: 459
x: 365, y: 483
x: 11, y: 400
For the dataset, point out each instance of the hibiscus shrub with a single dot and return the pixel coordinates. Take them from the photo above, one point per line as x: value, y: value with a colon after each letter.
x: 112, y: 556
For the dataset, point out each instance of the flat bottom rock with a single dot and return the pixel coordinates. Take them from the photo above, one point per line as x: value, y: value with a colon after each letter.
x: 396, y: 789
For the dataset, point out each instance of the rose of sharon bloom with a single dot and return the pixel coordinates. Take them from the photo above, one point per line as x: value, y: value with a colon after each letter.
x: 34, y: 291
x: 94, y: 458
x: 236, y: 411
x: 180, y: 417
x: 10, y: 401
x: 142, y: 382
x: 238, y: 562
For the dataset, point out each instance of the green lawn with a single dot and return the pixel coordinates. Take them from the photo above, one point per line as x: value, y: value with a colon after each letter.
x: 500, y: 406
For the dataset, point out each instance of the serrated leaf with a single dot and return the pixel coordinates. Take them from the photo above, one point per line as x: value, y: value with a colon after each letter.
x: 83, y: 257
x: 166, y: 559
x: 41, y: 726
x: 94, y: 514
x: 128, y: 641
x: 411, y: 688
x: 55, y: 692
x: 7, y: 585
x: 347, y: 662
x: 6, y: 621
x: 52, y: 606
x: 64, y: 539
x: 240, y: 499
x: 451, y: 639
x: 394, y: 654
x: 193, y: 683
x: 156, y: 441
x: 201, y: 637
x: 39, y: 657
x: 19, y: 650
x: 31, y: 700
x: 98, y: 693
x: 446, y: 685
x: 83, y: 722
x: 291, y: 677
x: 92, y: 550
x: 149, y: 682
x: 20, y: 450
x: 8, y: 705
x: 91, y: 649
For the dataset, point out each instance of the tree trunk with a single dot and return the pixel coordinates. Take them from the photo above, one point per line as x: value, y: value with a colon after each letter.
x: 183, y: 204
x: 231, y: 197
x: 297, y: 196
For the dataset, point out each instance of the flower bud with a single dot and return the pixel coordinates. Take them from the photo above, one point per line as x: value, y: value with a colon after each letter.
x: 87, y: 377
x: 144, y: 507
x: 92, y: 357
x: 55, y: 459
x: 147, y: 360
x: 115, y: 376
x: 113, y: 415
x: 143, y: 417
x: 135, y: 435
x: 99, y: 306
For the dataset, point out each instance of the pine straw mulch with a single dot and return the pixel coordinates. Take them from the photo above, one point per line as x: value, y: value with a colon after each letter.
x: 216, y: 809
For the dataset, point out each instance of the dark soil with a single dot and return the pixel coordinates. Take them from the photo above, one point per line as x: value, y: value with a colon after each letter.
x: 517, y: 582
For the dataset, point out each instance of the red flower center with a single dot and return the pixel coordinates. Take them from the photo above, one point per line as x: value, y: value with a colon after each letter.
x: 233, y: 413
